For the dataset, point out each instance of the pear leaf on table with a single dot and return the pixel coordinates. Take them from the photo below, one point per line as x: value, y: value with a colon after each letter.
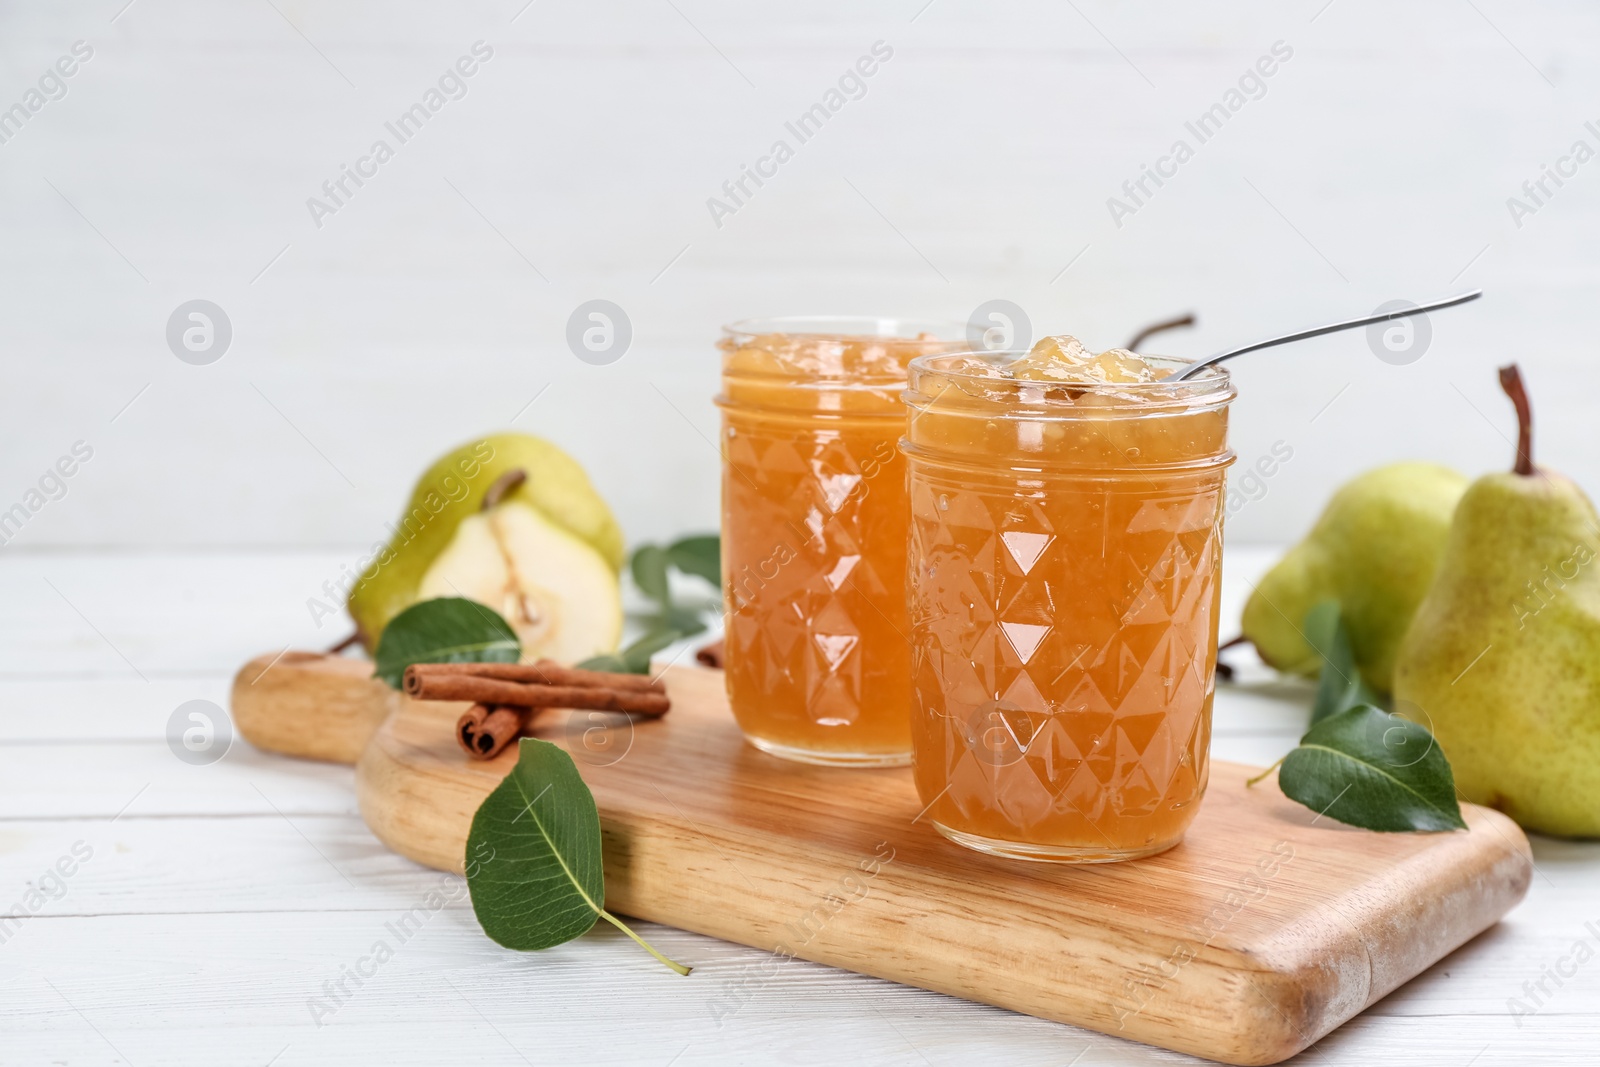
x: 444, y: 630
x: 1340, y: 684
x: 1371, y: 768
x: 536, y: 878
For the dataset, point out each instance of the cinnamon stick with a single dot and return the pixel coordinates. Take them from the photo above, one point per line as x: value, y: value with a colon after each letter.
x: 460, y: 686
x: 487, y: 729
x: 545, y: 671
x: 711, y: 655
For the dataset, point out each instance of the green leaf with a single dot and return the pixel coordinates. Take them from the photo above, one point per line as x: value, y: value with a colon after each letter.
x: 1319, y: 625
x: 649, y: 566
x: 635, y: 659
x: 686, y: 620
x: 446, y: 630
x: 1340, y: 685
x: 606, y: 661
x: 699, y: 555
x: 1370, y: 768
x: 544, y: 885
x: 536, y: 879
x: 637, y: 655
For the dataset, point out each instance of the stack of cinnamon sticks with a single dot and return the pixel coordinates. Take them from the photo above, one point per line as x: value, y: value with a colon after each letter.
x: 507, y: 697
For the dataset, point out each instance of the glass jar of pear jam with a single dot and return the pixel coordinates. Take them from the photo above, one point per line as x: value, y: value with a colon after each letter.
x: 1065, y: 549
x: 814, y: 520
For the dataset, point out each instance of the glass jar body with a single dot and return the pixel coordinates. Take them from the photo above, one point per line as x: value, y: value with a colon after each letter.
x: 814, y: 527
x: 1062, y: 589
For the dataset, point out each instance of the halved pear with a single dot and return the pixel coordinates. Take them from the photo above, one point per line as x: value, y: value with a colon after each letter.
x: 557, y: 592
x: 457, y: 487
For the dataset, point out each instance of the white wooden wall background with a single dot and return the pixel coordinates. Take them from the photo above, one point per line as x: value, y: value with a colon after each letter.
x: 432, y: 307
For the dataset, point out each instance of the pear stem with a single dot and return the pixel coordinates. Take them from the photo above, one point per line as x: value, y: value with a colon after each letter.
x: 1224, y: 670
x: 501, y: 486
x: 1145, y: 334
x: 334, y: 650
x: 1511, y: 382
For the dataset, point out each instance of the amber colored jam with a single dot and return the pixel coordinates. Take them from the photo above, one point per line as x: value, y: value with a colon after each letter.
x: 1064, y: 565
x: 814, y: 518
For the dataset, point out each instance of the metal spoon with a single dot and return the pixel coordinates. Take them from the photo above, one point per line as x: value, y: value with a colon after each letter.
x: 1399, y: 313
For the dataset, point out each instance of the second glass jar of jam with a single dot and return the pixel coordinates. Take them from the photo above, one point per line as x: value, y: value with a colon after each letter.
x: 814, y: 519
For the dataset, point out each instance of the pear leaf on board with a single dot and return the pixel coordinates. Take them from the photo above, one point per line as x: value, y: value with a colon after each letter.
x: 542, y: 882
x: 1371, y: 768
x: 444, y: 630
x: 635, y: 659
x: 649, y: 569
x: 650, y: 565
x: 1340, y: 684
x: 687, y: 621
x: 699, y: 555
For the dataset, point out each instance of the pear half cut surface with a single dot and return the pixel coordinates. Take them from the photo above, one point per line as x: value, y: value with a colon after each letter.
x: 558, y: 594
x: 476, y: 480
x: 1502, y: 661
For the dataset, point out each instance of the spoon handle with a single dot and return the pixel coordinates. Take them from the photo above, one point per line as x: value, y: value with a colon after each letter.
x: 1300, y: 335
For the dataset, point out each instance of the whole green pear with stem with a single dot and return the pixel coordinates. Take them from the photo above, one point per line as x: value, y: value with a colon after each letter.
x: 1374, y: 549
x: 1502, y: 661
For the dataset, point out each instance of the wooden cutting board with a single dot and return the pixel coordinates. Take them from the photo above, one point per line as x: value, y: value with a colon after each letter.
x: 1263, y: 931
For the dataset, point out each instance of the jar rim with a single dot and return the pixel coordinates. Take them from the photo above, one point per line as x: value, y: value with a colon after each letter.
x: 1214, y: 383
x: 887, y: 329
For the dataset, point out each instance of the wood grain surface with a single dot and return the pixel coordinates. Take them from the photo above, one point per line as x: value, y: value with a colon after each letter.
x: 1267, y: 928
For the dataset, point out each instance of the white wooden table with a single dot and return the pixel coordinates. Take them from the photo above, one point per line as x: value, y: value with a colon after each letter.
x: 218, y: 903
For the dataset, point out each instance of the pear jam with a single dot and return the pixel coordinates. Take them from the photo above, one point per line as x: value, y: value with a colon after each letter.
x: 1066, y: 536
x: 814, y: 519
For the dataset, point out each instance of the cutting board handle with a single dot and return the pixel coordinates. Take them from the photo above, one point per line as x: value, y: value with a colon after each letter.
x: 310, y: 704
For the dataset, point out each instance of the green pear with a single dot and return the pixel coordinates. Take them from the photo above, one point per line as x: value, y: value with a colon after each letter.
x: 513, y: 522
x: 1374, y: 549
x: 1502, y: 661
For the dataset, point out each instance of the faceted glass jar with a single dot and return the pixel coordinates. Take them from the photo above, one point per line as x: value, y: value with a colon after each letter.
x: 814, y: 521
x: 1065, y: 553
